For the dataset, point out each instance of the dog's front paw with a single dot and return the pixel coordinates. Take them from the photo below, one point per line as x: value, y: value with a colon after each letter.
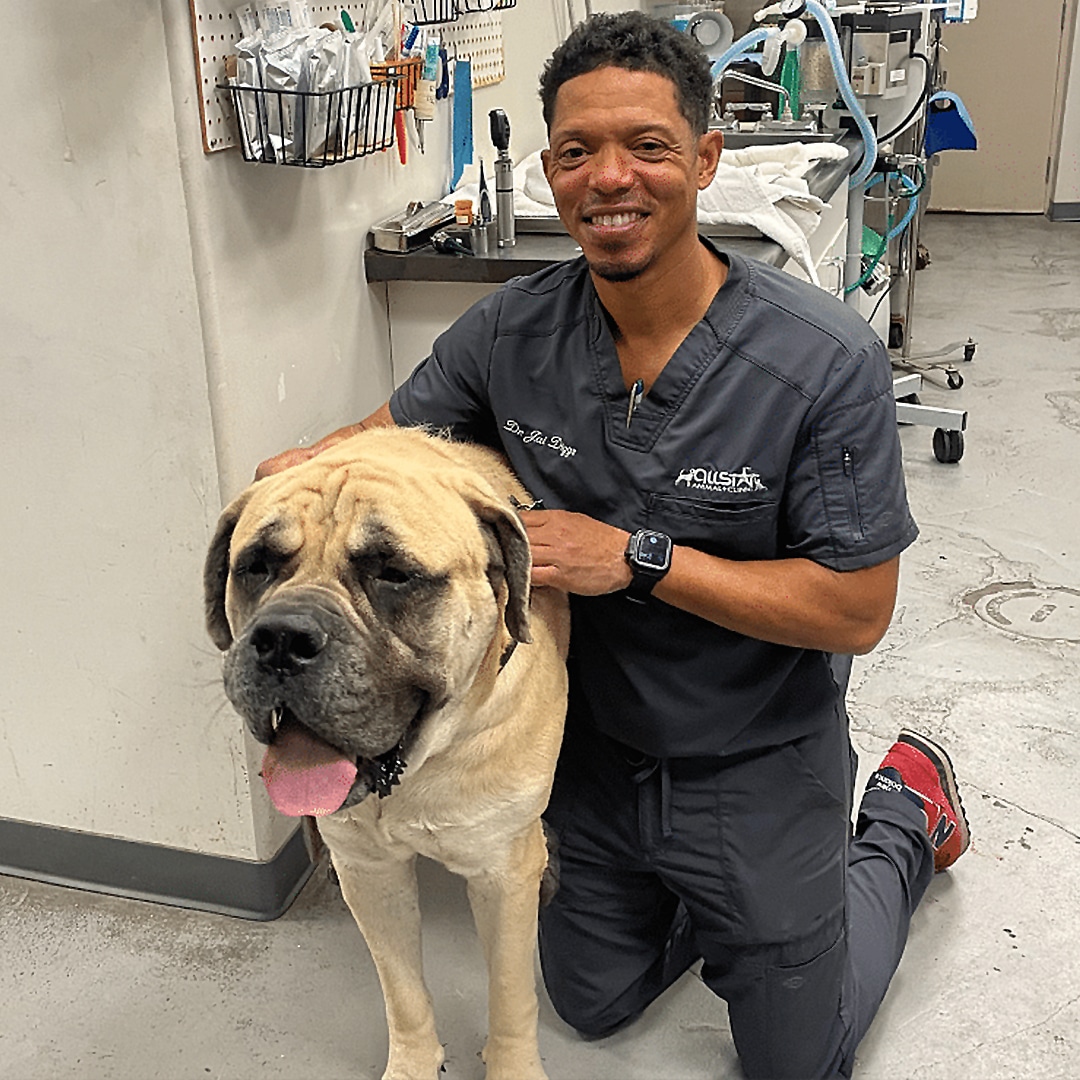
x: 512, y: 1061
x: 516, y: 1071
x: 415, y: 1064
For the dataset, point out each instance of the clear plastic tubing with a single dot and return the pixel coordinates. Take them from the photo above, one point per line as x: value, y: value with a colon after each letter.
x: 736, y: 51
x: 913, y: 201
x: 748, y: 41
x: 866, y: 166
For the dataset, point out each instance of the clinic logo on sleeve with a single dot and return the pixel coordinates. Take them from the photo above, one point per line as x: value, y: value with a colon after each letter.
x: 704, y: 478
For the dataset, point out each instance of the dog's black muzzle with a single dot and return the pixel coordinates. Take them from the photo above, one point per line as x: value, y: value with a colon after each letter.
x: 301, y: 657
x: 290, y: 655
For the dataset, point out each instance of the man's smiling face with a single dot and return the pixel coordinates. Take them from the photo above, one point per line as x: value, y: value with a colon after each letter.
x: 625, y: 168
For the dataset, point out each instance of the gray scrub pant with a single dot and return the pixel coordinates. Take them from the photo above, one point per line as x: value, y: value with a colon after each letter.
x: 746, y: 862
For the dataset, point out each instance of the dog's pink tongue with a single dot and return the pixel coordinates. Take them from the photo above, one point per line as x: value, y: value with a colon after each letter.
x: 304, y: 775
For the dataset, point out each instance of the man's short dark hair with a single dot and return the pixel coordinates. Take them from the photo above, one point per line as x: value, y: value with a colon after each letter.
x: 637, y: 42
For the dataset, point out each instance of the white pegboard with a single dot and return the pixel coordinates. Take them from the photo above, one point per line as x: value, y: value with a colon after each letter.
x: 478, y: 37
x: 214, y: 34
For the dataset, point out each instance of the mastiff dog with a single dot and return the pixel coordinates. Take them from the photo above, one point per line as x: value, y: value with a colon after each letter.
x: 381, y: 638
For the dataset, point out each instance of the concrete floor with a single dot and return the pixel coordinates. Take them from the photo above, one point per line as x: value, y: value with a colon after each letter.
x: 95, y: 987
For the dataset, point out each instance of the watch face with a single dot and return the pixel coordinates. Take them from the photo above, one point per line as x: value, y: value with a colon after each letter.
x: 653, y: 550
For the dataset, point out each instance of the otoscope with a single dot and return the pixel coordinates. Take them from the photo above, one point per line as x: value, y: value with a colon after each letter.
x: 504, y: 178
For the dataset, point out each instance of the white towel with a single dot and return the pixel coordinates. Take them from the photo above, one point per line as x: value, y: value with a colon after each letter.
x: 532, y: 193
x: 760, y: 186
x: 764, y: 187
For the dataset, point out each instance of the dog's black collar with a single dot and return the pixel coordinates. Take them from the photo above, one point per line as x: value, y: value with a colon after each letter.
x: 385, y: 771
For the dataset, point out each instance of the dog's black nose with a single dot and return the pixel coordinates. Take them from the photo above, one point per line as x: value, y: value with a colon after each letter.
x: 287, y: 643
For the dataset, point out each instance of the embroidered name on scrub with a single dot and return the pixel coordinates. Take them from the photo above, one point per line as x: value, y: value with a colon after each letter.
x: 717, y: 480
x: 552, y: 442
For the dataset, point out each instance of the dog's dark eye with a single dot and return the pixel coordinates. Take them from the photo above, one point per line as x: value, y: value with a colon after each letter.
x: 256, y: 568
x: 376, y: 567
x: 385, y: 577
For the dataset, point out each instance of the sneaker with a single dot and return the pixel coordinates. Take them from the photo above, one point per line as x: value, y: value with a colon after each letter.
x: 921, y: 770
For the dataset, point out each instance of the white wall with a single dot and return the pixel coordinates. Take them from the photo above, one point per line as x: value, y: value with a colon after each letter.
x: 530, y: 33
x: 169, y: 318
x: 295, y: 342
x: 110, y: 719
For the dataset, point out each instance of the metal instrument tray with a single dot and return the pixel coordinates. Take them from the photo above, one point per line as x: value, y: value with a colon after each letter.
x: 412, y: 229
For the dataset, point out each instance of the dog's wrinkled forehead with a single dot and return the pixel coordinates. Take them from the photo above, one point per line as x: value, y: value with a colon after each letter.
x: 277, y: 531
x: 355, y: 510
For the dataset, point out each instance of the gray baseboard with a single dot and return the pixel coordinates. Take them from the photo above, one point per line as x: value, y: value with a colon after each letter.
x: 248, y: 890
x: 1064, y: 211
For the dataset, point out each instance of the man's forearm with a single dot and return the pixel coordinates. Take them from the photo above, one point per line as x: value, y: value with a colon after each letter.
x: 788, y: 601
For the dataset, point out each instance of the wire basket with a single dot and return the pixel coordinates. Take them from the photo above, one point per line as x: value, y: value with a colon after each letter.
x: 477, y: 7
x: 406, y: 73
x: 314, y: 128
x: 430, y: 12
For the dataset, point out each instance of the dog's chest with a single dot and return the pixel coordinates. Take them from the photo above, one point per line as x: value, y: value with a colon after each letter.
x: 460, y: 829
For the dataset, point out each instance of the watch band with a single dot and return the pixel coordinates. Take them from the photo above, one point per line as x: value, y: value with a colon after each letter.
x: 641, y: 586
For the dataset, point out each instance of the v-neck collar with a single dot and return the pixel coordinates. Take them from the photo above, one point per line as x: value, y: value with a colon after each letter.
x: 695, y: 353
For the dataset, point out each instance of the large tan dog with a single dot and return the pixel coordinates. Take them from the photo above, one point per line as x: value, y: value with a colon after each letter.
x: 369, y: 602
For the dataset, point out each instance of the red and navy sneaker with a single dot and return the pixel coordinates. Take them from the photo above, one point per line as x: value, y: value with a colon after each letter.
x: 922, y: 771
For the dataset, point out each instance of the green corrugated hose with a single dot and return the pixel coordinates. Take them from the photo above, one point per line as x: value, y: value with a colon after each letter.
x: 790, y: 78
x: 874, y: 247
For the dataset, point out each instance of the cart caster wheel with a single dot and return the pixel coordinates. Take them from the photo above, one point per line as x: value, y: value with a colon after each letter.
x: 948, y: 446
x: 955, y: 379
x: 969, y: 350
x: 896, y: 335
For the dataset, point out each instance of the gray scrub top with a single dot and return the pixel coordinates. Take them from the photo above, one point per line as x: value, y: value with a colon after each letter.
x: 771, y: 433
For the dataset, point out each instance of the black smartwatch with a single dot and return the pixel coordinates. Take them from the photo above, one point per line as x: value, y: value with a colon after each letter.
x: 649, y: 556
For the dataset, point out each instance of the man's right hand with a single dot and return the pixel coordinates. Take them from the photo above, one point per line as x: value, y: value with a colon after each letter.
x: 298, y: 454
x: 285, y: 460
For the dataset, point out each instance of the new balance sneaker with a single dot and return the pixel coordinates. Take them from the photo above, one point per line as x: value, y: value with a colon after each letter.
x: 921, y: 770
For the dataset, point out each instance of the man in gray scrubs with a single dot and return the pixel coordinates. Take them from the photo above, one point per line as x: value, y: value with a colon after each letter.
x: 715, y: 447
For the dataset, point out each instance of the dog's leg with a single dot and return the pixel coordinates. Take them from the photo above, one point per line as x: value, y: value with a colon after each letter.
x: 504, y: 902
x: 381, y: 894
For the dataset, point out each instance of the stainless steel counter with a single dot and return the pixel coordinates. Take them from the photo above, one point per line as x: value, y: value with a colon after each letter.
x: 534, y: 251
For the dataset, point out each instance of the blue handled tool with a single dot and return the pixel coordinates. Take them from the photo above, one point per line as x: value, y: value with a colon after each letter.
x: 442, y: 91
x: 462, y: 137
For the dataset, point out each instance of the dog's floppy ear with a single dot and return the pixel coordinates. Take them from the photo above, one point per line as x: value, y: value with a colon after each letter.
x: 510, y: 559
x: 216, y: 573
